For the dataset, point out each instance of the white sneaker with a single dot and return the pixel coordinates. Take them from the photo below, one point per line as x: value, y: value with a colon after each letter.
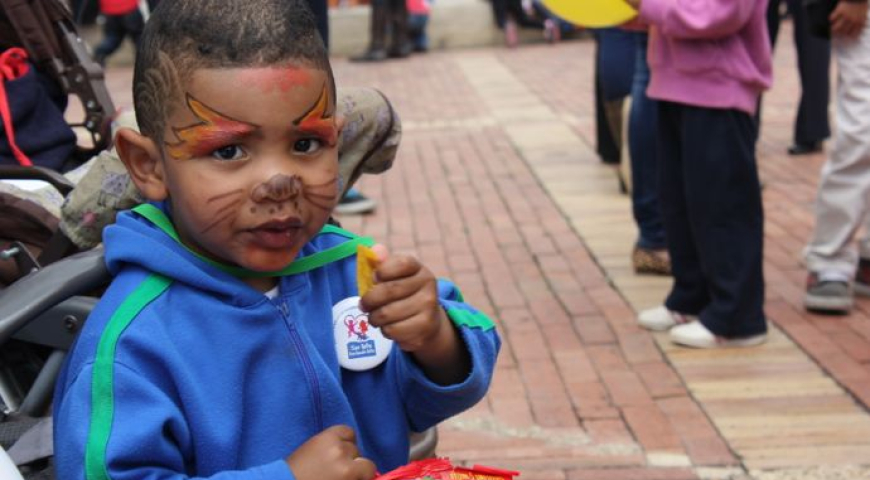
x: 696, y: 335
x: 660, y: 318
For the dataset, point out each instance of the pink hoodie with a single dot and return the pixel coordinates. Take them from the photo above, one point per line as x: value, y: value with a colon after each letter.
x: 708, y: 53
x: 418, y: 7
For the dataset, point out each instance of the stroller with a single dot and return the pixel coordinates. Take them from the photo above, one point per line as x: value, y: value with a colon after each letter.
x: 58, y: 275
x: 31, y: 354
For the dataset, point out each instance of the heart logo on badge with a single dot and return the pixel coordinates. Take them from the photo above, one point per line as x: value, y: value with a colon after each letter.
x: 358, y: 344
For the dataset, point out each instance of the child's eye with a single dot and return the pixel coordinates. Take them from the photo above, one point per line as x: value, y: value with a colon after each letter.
x: 307, y: 145
x: 229, y: 152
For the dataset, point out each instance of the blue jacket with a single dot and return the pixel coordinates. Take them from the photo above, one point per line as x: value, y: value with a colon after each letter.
x: 184, y: 371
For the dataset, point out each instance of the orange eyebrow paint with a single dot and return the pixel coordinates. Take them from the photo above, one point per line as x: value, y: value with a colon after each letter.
x: 318, y: 121
x: 214, y: 130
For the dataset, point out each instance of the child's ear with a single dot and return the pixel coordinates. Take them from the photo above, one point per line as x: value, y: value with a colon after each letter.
x: 142, y: 157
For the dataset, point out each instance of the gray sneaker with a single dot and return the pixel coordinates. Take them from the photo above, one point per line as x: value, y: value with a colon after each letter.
x: 828, y: 296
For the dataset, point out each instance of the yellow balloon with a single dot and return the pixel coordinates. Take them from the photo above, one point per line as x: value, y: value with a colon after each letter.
x: 592, y: 13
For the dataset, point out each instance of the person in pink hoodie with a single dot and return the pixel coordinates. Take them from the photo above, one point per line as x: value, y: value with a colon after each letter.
x: 418, y: 18
x: 709, y: 61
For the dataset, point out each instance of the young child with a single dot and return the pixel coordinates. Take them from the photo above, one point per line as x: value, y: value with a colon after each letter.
x: 418, y: 19
x: 710, y: 61
x: 216, y: 351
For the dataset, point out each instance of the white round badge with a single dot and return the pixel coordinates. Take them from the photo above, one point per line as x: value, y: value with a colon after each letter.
x: 359, y: 345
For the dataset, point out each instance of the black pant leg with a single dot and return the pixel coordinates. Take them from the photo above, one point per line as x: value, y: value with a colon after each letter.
x: 379, y: 25
x: 499, y: 12
x: 814, y: 67
x: 133, y: 25
x: 113, y: 36
x: 398, y: 15
x: 605, y: 142
x: 689, y: 291
x: 723, y: 196
x: 773, y: 19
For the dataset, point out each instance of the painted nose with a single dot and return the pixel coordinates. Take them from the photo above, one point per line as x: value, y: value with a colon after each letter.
x: 279, y: 188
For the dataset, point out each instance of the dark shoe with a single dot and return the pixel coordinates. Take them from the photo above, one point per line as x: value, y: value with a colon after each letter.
x: 862, y: 278
x: 401, y: 52
x: 650, y: 261
x: 827, y: 296
x: 354, y: 202
x: 371, y: 56
x: 805, y: 148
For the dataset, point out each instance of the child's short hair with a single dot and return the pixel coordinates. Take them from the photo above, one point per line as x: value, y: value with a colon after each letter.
x: 182, y: 36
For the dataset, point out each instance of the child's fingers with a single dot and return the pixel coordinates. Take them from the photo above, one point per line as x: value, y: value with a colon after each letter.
x: 396, y: 267
x: 390, y: 291
x: 411, y: 334
x: 383, y: 293
x: 398, y: 310
x: 364, y: 469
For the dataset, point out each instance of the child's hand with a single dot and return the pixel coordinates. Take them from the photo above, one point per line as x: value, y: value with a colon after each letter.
x: 404, y: 304
x: 331, y: 455
x: 848, y: 19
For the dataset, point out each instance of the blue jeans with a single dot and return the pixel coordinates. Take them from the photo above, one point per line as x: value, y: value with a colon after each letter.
x: 417, y: 31
x: 615, y: 61
x: 642, y: 133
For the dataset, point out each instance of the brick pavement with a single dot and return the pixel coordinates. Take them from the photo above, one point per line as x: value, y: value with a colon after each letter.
x: 497, y: 186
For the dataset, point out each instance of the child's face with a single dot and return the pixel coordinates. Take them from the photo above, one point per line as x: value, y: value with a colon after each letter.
x: 251, y: 163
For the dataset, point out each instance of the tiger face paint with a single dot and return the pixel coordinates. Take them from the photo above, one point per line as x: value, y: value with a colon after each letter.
x: 252, y: 173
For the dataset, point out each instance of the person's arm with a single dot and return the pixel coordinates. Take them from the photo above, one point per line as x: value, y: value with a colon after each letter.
x: 448, y: 348
x: 428, y: 403
x: 698, y: 19
x: 848, y: 18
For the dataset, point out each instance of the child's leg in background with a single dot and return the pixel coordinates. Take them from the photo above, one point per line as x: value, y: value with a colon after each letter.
x: 417, y: 32
x: 689, y: 293
x: 113, y: 36
x: 844, y: 186
x: 644, y: 161
x: 605, y: 144
x: 518, y: 13
x: 133, y: 26
x: 398, y: 27
x: 814, y: 67
x: 499, y: 13
x: 614, y: 73
x: 711, y: 204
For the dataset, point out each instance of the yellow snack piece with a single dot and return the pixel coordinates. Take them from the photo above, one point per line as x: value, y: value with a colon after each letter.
x: 366, y: 262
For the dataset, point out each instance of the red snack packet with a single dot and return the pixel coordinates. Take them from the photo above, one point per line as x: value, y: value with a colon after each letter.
x: 442, y: 469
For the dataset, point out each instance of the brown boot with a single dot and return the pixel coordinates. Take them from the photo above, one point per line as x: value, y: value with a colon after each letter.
x: 650, y: 261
